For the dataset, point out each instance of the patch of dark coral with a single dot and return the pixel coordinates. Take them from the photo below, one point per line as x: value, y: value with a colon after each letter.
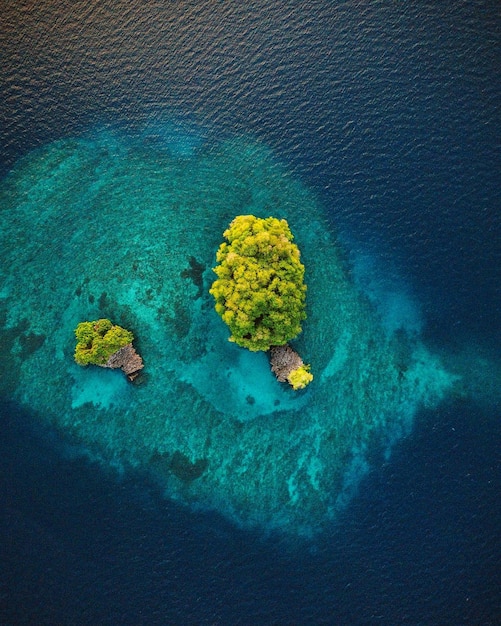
x: 103, y: 301
x: 9, y: 364
x: 80, y: 288
x: 181, y: 321
x: 160, y: 464
x: 195, y: 274
x: 186, y: 470
x: 30, y: 343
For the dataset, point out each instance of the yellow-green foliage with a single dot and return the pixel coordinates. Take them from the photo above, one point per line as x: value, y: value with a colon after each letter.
x: 97, y: 341
x: 259, y: 291
x: 300, y: 377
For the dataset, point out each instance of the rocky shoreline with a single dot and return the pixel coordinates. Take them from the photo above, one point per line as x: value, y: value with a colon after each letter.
x: 283, y: 361
x: 128, y: 360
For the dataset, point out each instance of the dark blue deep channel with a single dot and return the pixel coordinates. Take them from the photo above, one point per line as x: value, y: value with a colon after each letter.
x: 389, y: 113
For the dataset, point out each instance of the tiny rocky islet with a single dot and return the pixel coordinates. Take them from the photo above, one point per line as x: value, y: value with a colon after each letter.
x: 107, y: 345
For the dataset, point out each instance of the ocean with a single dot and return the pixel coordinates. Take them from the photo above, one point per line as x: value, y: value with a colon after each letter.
x: 375, y: 123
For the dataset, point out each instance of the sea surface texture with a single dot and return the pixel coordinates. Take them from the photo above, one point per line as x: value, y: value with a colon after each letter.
x: 206, y: 492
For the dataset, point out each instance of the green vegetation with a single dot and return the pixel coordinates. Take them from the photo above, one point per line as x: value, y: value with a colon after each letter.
x: 98, y: 340
x: 259, y: 291
x: 300, y: 377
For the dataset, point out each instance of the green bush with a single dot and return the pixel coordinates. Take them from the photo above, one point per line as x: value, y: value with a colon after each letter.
x: 98, y: 340
x: 300, y: 377
x: 260, y: 292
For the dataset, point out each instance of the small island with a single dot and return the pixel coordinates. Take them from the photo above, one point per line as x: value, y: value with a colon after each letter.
x: 260, y: 292
x: 107, y: 345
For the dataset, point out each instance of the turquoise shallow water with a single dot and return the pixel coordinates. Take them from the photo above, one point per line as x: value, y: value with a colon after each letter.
x: 386, y: 115
x: 117, y: 227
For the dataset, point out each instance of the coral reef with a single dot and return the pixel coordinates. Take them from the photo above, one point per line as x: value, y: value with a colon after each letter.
x: 246, y: 446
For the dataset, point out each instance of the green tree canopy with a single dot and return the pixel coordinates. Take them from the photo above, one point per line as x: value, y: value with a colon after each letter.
x: 98, y: 340
x: 260, y: 292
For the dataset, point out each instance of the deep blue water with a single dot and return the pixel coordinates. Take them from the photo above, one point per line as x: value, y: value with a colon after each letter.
x: 391, y: 114
x: 419, y: 546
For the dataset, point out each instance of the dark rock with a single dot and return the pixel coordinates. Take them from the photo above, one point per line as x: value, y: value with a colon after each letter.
x: 283, y: 361
x: 126, y: 359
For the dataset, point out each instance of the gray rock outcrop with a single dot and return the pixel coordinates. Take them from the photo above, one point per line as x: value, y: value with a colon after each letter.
x: 284, y: 360
x: 126, y: 359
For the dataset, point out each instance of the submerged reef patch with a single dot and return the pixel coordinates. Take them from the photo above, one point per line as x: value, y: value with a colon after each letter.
x: 136, y: 228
